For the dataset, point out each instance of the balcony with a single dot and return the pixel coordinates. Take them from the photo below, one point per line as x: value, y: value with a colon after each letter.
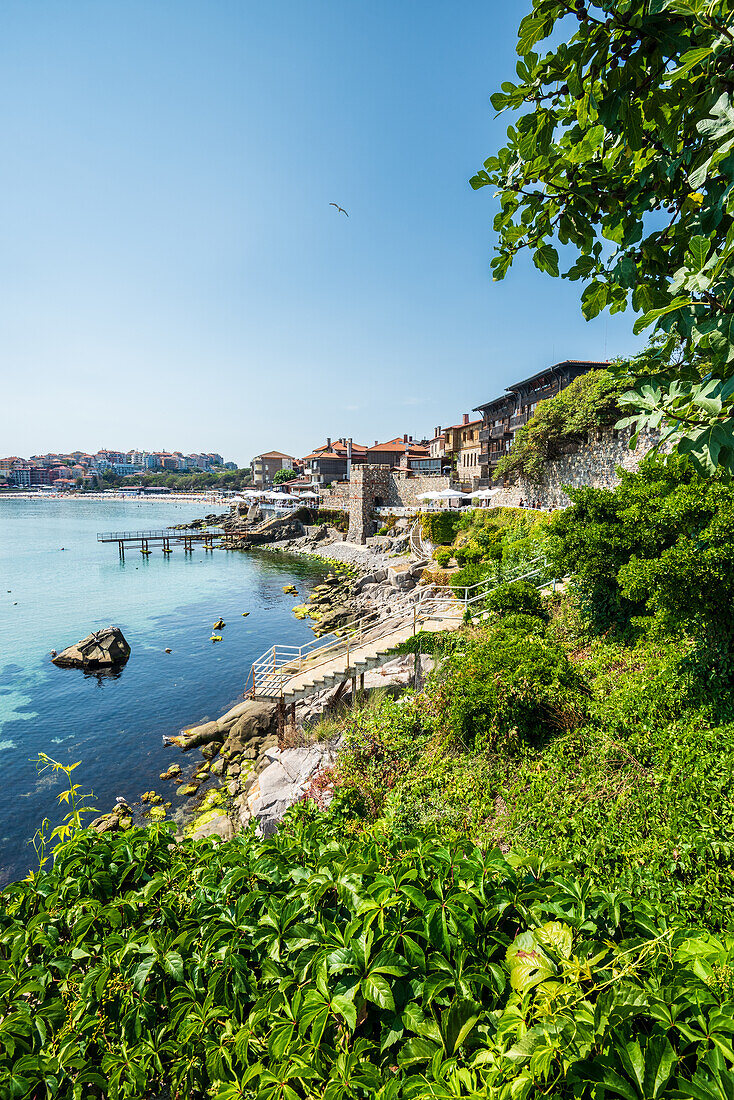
x: 498, y: 431
x: 484, y: 435
x: 518, y: 421
x: 546, y: 391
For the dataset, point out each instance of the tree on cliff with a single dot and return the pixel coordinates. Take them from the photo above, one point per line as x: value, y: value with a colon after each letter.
x: 625, y: 157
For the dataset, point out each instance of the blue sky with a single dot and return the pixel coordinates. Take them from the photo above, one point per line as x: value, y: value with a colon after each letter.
x: 172, y: 273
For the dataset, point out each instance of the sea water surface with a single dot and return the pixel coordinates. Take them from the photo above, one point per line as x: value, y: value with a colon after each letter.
x: 51, y: 597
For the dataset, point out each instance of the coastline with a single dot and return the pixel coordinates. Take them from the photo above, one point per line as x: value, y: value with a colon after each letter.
x: 114, y: 725
x: 252, y: 766
x: 126, y: 498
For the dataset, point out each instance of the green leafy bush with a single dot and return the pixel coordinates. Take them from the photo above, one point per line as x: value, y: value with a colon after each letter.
x: 509, y: 686
x: 563, y: 422
x: 333, y: 517
x: 442, y: 556
x: 440, y: 527
x: 661, y: 544
x: 312, y: 964
x: 516, y: 598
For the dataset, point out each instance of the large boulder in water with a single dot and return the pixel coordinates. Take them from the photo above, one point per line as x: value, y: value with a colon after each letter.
x: 104, y: 649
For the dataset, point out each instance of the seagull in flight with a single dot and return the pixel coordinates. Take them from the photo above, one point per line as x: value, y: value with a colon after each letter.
x: 339, y: 208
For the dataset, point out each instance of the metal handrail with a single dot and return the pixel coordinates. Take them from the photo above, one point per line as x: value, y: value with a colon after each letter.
x: 165, y: 533
x: 365, y: 630
x: 417, y: 544
x: 277, y: 656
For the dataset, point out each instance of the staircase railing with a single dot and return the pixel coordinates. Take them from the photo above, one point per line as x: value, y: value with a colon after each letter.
x: 280, y: 663
x: 418, y: 545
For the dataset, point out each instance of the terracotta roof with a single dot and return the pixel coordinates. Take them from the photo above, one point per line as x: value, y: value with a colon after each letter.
x: 398, y: 445
x: 455, y: 427
x: 272, y: 454
x: 336, y: 450
x: 324, y: 454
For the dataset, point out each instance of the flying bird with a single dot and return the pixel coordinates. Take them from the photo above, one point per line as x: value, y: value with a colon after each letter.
x: 339, y: 208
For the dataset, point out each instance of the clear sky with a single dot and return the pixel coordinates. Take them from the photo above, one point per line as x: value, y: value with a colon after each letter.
x: 172, y: 274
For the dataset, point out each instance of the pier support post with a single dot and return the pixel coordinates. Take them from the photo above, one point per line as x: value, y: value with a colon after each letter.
x: 121, y: 546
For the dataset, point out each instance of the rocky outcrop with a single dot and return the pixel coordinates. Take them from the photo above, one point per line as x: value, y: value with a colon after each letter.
x: 214, y: 519
x: 105, y: 649
x: 281, y: 527
x: 284, y: 782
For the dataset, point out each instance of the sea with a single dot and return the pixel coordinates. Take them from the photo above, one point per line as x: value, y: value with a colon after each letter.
x: 58, y: 584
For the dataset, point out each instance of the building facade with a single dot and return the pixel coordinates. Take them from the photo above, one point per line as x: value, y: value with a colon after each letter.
x: 266, y: 466
x: 505, y: 414
x: 333, y: 461
x: 462, y: 450
x: 400, y: 451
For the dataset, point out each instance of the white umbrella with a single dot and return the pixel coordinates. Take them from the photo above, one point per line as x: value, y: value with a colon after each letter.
x: 451, y: 494
x: 426, y: 496
x: 484, y: 494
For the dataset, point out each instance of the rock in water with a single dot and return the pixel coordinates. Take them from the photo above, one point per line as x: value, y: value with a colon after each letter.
x: 104, y: 649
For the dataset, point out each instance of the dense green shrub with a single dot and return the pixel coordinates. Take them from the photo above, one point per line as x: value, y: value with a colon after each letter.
x: 473, y: 574
x: 317, y: 965
x: 661, y: 544
x: 590, y: 402
x: 431, y: 642
x: 640, y: 797
x: 440, y: 527
x: 509, y: 686
x: 469, y: 553
x: 442, y: 556
x: 518, y: 597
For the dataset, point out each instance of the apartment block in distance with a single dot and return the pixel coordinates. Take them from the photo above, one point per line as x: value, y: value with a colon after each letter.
x: 266, y: 466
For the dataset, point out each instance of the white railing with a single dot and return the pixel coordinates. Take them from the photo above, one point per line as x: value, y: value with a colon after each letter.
x: 280, y: 663
x: 418, y: 545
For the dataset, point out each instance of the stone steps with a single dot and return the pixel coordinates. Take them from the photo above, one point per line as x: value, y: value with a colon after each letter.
x: 293, y: 686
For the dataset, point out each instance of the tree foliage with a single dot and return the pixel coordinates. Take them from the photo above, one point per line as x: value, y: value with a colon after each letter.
x: 591, y: 401
x: 283, y: 475
x: 622, y: 152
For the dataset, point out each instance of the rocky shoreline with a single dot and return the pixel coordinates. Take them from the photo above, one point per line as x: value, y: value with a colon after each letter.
x: 253, y: 764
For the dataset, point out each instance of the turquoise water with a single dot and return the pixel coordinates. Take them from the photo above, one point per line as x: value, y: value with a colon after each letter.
x: 50, y: 598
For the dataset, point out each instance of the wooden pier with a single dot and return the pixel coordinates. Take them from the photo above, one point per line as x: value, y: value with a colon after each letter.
x: 170, y: 535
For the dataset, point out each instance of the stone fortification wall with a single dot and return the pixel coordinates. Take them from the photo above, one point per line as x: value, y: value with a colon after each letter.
x: 336, y: 497
x: 380, y: 487
x: 592, y: 464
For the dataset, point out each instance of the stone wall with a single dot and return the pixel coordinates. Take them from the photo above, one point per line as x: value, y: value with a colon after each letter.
x: 593, y: 464
x: 336, y: 497
x: 380, y: 486
x: 369, y: 486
